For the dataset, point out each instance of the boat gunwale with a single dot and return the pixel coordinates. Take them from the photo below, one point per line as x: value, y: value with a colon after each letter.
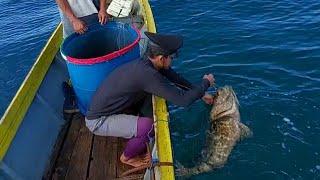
x: 18, y: 107
x: 161, y: 115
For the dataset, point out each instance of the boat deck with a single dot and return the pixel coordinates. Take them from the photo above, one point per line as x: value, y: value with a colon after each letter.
x: 81, y: 155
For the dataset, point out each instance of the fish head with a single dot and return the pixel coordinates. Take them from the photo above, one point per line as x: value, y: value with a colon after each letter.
x: 225, y: 103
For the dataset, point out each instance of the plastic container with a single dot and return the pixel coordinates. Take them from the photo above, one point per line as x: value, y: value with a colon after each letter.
x: 91, y: 57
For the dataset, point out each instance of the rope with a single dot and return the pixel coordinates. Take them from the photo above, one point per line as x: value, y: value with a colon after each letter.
x: 159, y: 120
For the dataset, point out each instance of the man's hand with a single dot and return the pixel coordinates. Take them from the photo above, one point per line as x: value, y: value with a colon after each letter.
x: 210, y: 78
x: 79, y: 26
x: 103, y: 17
x: 208, y: 99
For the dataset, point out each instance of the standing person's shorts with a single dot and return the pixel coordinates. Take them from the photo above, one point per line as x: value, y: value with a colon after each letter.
x: 118, y: 125
x: 67, y: 26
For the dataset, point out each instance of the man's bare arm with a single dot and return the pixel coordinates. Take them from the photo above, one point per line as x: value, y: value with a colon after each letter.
x: 66, y: 9
x: 78, y: 25
x: 102, y: 15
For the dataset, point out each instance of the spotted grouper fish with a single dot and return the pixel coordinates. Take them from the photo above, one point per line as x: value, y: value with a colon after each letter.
x: 225, y: 131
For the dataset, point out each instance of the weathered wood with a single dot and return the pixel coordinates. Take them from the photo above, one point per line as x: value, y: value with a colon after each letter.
x: 79, y: 162
x: 85, y: 156
x: 104, y: 157
x: 132, y: 177
x: 62, y: 163
x: 121, y: 168
x: 112, y: 156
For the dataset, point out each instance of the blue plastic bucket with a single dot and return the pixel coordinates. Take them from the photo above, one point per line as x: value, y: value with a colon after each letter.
x: 92, y: 56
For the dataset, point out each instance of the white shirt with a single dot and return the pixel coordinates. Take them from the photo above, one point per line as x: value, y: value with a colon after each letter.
x: 82, y: 8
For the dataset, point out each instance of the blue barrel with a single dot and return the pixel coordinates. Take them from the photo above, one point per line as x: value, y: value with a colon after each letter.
x: 92, y: 56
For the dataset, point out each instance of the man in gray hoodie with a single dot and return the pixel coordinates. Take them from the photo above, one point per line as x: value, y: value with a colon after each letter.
x: 130, y: 84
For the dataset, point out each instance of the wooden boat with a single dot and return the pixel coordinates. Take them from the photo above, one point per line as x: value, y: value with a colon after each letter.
x: 37, y: 142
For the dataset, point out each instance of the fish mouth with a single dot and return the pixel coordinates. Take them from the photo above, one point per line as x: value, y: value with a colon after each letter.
x: 224, y: 102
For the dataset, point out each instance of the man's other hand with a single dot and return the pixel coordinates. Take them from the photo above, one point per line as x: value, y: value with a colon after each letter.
x: 210, y: 78
x: 79, y: 26
x: 208, y: 99
x: 103, y: 17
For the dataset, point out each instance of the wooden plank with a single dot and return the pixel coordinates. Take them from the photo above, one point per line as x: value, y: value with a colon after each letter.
x: 121, y: 168
x: 63, y: 160
x: 98, y: 167
x: 104, y: 158
x: 79, y: 162
x: 132, y: 177
x: 113, y: 156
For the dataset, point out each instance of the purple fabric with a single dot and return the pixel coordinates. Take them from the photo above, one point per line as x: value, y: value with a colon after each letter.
x: 137, y: 145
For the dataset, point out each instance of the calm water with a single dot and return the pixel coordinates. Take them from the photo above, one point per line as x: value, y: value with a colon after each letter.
x: 267, y: 50
x: 25, y: 26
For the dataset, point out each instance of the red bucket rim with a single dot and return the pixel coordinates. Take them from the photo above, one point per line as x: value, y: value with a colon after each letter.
x: 107, y: 57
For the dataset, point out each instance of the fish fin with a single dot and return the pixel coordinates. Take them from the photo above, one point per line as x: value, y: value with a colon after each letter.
x: 244, y: 131
x: 188, y: 172
x: 178, y: 165
x: 180, y: 170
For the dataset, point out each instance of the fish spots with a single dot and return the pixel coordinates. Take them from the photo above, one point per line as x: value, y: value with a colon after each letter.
x: 224, y: 131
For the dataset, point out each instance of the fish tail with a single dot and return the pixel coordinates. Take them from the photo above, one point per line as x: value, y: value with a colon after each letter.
x: 244, y: 131
x: 181, y: 170
x: 201, y: 168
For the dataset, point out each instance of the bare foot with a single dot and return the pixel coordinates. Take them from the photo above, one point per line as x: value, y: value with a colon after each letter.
x: 136, y: 161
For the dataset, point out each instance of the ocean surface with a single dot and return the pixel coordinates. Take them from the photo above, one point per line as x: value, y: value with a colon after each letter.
x: 268, y: 51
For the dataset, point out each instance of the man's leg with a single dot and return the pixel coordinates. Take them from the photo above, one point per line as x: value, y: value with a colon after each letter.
x: 136, y: 148
x: 119, y: 125
x: 67, y: 27
x: 137, y: 129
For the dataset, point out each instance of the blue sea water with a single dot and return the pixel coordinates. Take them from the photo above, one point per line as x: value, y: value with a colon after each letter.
x: 25, y: 27
x: 267, y: 50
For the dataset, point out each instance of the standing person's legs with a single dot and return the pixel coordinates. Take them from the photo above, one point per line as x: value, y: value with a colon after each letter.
x: 66, y: 25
